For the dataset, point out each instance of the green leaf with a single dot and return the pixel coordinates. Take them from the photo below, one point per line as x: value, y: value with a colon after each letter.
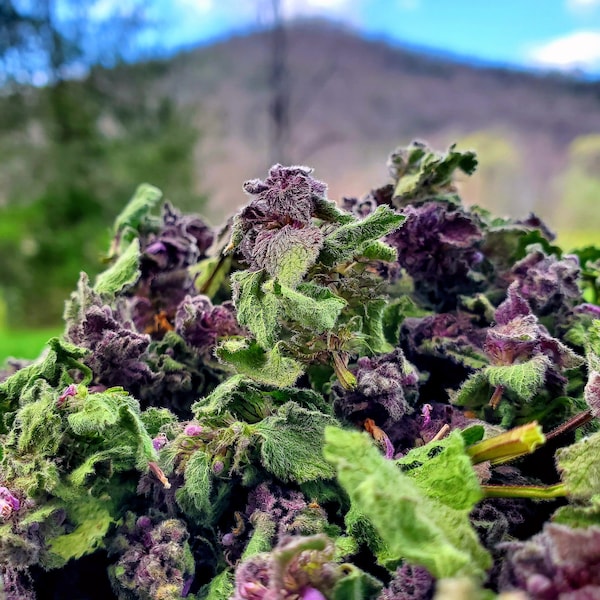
x: 196, y: 491
x: 268, y: 367
x: 122, y: 454
x: 123, y: 273
x: 356, y: 585
x: 421, y: 173
x: 311, y: 306
x: 209, y: 274
x: 96, y: 412
x: 240, y: 398
x: 413, y: 525
x: 291, y: 443
x: 220, y: 587
x: 262, y: 536
x: 444, y: 471
x: 524, y: 379
x: 37, y: 427
x: 579, y: 467
x: 143, y: 201
x: 372, y: 329
x: 53, y: 367
x: 256, y: 310
x: 380, y: 251
x: 93, y: 520
x: 349, y: 240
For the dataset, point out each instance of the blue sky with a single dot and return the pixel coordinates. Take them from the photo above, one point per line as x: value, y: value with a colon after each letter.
x: 552, y: 34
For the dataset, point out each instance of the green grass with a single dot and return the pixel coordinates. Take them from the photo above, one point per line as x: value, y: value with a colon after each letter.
x: 24, y: 343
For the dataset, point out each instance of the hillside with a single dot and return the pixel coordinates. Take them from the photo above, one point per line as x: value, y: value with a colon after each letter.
x: 353, y: 100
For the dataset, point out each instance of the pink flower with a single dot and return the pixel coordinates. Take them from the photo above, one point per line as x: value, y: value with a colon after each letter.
x: 192, y: 430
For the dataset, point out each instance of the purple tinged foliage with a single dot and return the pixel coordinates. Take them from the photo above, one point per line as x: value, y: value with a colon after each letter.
x: 68, y: 392
x: 438, y: 245
x: 519, y: 336
x: 410, y: 582
x: 156, y: 559
x: 200, y: 323
x: 16, y: 584
x: 180, y: 242
x: 560, y: 562
x: 287, y: 573
x: 386, y: 387
x: 118, y: 352
x: 591, y: 393
x: 279, y: 216
x: 287, y: 193
x: 547, y: 283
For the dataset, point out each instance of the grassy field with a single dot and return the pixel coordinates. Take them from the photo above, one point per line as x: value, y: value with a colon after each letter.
x: 24, y: 344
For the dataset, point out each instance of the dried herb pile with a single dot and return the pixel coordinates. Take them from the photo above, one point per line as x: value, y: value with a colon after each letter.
x: 390, y: 398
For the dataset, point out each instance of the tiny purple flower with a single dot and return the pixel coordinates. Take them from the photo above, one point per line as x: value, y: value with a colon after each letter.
x: 70, y: 390
x: 160, y: 441
x: 218, y: 466
x: 8, y: 503
x: 192, y: 430
x: 426, y: 413
x: 310, y: 593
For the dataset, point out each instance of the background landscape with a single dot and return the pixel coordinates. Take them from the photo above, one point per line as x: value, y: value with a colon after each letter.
x: 198, y: 121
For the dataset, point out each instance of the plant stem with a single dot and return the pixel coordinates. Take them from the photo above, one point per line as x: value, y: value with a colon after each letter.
x: 573, y: 423
x: 496, y: 396
x: 541, y: 492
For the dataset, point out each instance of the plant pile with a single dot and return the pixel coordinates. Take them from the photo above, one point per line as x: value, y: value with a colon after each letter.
x: 393, y: 398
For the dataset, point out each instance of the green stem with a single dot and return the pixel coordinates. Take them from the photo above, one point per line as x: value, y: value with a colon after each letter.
x: 540, y: 492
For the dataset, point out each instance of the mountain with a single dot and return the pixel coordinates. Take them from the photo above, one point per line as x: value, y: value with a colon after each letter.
x: 353, y: 100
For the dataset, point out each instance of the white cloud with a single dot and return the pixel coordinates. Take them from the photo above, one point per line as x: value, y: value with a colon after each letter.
x: 582, y: 4
x: 302, y: 8
x: 578, y: 50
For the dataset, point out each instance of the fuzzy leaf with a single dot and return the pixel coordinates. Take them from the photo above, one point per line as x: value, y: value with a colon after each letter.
x: 123, y: 273
x: 143, y: 201
x: 380, y: 251
x: 356, y: 585
x: 579, y: 467
x: 350, y: 239
x: 121, y: 454
x: 412, y: 525
x: 372, y: 328
x: 243, y: 399
x: 421, y: 172
x: 524, y: 379
x: 317, y: 310
x: 196, y: 491
x: 268, y: 367
x: 443, y: 470
x: 256, y: 309
x: 93, y: 521
x: 291, y: 444
x: 288, y: 253
x: 220, y: 587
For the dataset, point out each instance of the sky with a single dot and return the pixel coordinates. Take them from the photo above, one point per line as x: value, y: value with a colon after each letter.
x: 549, y: 34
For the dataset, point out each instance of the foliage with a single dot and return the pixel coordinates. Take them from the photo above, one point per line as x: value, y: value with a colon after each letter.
x: 324, y: 409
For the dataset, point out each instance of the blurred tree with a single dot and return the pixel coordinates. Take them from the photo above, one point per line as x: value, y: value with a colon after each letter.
x: 81, y: 129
